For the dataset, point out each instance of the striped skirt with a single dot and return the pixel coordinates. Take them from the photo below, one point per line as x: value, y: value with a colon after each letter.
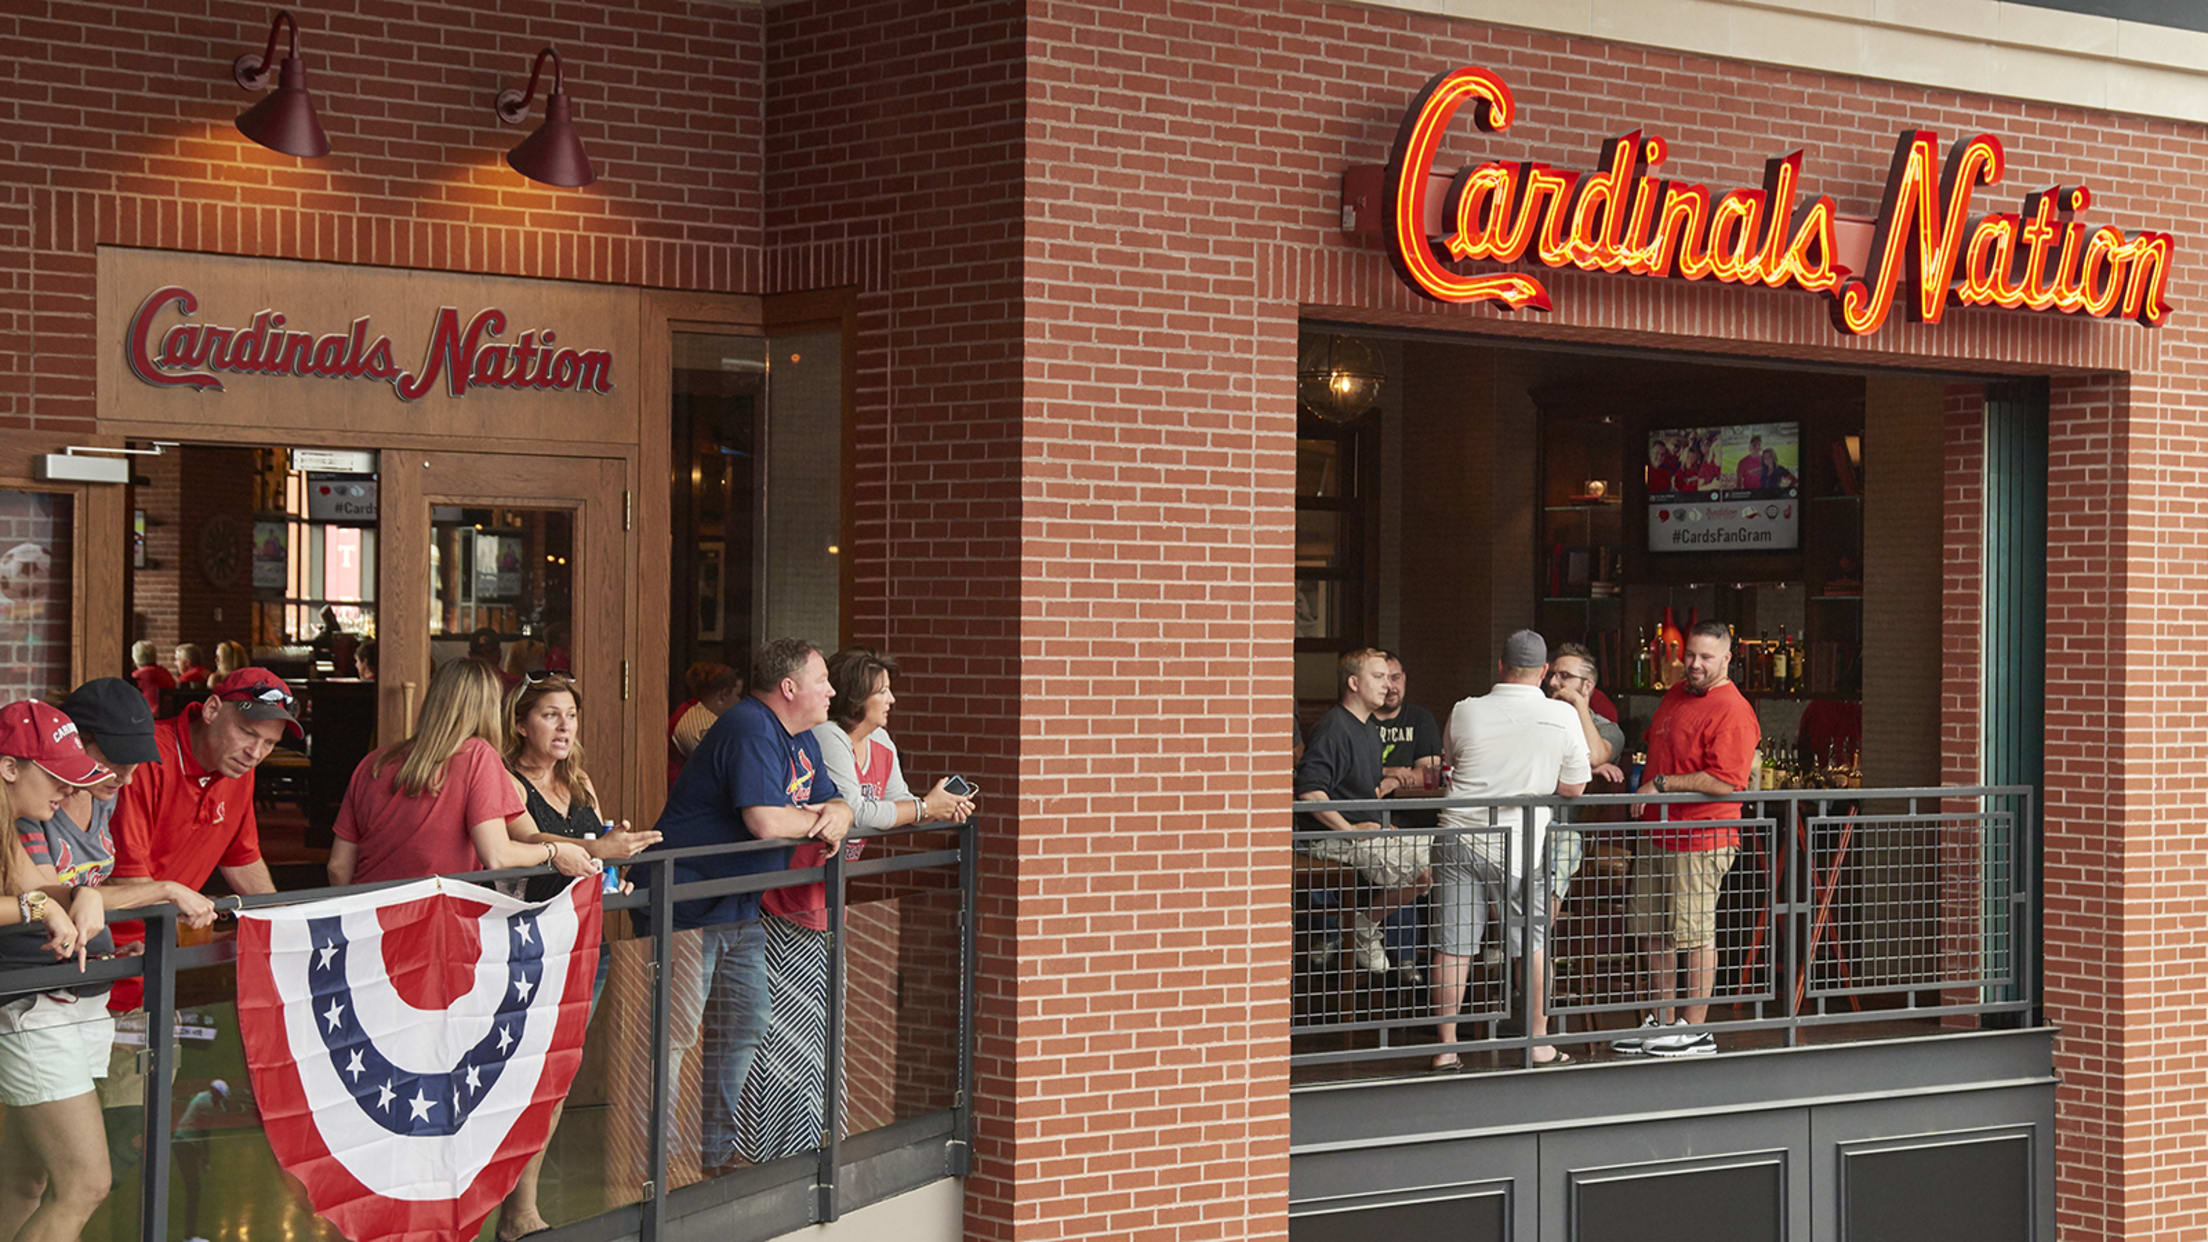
x: 779, y: 1113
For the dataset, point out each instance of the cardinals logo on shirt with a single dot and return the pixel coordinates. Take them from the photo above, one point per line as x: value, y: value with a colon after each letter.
x: 409, y: 1046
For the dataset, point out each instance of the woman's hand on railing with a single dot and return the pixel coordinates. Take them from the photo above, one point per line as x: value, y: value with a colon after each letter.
x: 570, y: 859
x: 623, y: 842
x: 194, y: 908
x: 61, y: 927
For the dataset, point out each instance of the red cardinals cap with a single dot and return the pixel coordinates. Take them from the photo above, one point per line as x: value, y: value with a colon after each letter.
x: 32, y: 731
x: 260, y: 695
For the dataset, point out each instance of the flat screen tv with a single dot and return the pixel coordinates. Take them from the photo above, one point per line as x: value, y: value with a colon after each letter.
x: 1725, y: 488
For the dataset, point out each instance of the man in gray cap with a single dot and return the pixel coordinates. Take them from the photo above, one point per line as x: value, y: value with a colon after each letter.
x: 1511, y: 742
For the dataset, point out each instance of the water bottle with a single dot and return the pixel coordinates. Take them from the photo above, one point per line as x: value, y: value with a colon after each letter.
x: 610, y: 875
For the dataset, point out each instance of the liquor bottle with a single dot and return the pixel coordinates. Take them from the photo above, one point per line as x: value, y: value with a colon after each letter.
x: 1644, y: 663
x: 1779, y: 664
x: 1800, y: 664
x: 1674, y: 648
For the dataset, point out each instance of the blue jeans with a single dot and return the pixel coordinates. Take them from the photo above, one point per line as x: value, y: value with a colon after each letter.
x: 734, y: 980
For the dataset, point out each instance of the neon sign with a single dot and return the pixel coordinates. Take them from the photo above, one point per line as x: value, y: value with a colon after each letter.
x: 1926, y: 252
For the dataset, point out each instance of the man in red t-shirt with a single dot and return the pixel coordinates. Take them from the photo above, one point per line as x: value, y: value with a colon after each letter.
x: 190, y: 812
x: 1702, y: 740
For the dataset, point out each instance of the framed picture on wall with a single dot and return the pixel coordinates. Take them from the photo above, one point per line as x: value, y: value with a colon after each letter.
x: 709, y: 501
x: 712, y: 623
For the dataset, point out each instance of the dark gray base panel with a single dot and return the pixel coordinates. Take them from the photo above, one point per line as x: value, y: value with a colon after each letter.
x: 1934, y: 1139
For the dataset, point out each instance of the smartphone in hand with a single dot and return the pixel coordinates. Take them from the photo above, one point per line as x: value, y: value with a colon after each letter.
x: 957, y: 787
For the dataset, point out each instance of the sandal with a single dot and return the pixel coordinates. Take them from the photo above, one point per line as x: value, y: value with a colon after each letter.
x: 1561, y: 1058
x: 1449, y: 1063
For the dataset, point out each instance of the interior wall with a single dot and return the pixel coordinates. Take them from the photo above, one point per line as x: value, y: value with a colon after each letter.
x: 1448, y: 548
x: 1906, y: 462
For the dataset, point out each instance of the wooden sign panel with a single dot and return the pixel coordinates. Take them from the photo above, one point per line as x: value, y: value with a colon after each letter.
x: 270, y: 345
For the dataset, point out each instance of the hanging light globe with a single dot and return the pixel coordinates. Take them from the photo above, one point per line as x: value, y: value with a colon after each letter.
x: 1338, y: 378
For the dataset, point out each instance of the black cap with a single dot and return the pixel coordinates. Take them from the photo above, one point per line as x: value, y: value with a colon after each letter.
x: 112, y: 714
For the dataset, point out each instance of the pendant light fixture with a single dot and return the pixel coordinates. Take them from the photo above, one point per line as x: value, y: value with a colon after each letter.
x: 284, y: 120
x: 1338, y: 378
x: 554, y: 154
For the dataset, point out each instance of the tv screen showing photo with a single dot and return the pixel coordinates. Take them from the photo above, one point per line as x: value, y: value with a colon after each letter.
x: 1725, y: 488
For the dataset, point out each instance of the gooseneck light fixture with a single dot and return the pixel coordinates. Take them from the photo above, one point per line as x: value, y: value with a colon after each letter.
x: 554, y: 154
x: 284, y: 120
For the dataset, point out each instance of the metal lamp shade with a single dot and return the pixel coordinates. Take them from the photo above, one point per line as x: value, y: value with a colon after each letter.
x: 284, y: 120
x: 554, y: 154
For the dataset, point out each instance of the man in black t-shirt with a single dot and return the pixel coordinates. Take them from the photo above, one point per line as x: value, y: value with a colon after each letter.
x: 1342, y: 762
x: 1410, y: 745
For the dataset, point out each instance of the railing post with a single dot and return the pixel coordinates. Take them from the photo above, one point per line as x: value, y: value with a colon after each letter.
x: 969, y: 928
x: 160, y: 1002
x: 662, y: 1105
x: 1793, y: 837
x: 1525, y: 928
x: 828, y: 1176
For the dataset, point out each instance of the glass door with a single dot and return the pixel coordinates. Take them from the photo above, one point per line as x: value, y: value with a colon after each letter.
x: 524, y: 564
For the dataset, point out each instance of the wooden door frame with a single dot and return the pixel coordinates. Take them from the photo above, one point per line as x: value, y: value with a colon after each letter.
x: 592, y: 488
x: 651, y: 537
x: 99, y: 550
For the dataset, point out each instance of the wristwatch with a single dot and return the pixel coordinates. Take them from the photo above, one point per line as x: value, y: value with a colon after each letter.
x: 32, y: 906
x: 1659, y: 782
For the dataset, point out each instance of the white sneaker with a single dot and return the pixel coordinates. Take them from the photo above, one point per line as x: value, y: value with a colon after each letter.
x: 1372, y: 947
x: 1699, y: 1044
x: 1636, y: 1044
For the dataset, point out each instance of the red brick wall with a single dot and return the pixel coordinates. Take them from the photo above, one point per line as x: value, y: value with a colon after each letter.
x: 1183, y: 212
x: 893, y: 141
x: 120, y: 130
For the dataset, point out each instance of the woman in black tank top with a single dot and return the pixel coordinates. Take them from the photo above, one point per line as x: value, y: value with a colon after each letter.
x: 544, y: 751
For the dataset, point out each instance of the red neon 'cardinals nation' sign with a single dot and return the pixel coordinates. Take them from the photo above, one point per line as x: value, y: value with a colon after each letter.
x: 1925, y: 253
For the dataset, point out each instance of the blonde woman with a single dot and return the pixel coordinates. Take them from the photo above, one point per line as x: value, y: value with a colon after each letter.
x: 525, y: 659
x: 440, y: 801
x: 229, y: 658
x: 544, y: 752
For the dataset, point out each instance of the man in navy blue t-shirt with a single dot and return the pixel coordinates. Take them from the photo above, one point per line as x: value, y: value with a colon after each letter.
x: 757, y: 775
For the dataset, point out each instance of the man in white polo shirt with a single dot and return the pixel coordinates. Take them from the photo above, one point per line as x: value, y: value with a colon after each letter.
x: 1511, y: 742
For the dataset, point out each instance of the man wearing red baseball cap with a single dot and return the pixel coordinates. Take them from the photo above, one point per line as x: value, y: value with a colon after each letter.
x: 190, y: 812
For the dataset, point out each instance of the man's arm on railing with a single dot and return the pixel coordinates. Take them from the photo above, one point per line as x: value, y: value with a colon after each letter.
x: 250, y: 878
x: 1331, y: 819
x: 1570, y: 789
x: 789, y: 823
x: 1692, y: 782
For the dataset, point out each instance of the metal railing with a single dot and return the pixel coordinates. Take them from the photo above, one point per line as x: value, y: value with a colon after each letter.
x: 1839, y: 907
x: 946, y: 871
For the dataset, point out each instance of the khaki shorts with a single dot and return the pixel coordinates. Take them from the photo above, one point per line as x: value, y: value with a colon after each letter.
x: 1674, y: 894
x: 1391, y: 861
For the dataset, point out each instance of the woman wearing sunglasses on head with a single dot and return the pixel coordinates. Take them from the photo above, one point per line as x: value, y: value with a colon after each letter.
x: 783, y: 1104
x: 439, y: 802
x: 544, y: 752
x: 58, y: 1045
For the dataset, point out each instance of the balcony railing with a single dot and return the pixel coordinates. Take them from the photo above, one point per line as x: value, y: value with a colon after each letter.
x: 1846, y: 913
x: 625, y: 1160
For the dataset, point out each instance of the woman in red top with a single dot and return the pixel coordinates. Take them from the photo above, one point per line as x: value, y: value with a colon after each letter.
x: 440, y: 801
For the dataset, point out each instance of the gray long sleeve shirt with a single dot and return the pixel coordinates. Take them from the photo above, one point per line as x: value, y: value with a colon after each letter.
x: 872, y: 808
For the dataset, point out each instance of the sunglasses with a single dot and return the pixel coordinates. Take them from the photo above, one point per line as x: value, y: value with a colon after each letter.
x: 539, y: 676
x: 266, y: 694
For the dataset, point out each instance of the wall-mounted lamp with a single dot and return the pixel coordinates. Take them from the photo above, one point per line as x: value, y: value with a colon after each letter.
x: 284, y: 121
x: 554, y: 154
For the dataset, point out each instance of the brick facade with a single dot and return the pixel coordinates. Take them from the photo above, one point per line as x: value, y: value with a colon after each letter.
x: 1081, y: 238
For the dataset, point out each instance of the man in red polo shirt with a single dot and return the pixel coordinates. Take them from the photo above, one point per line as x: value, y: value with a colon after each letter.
x: 1702, y: 740
x: 190, y: 812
